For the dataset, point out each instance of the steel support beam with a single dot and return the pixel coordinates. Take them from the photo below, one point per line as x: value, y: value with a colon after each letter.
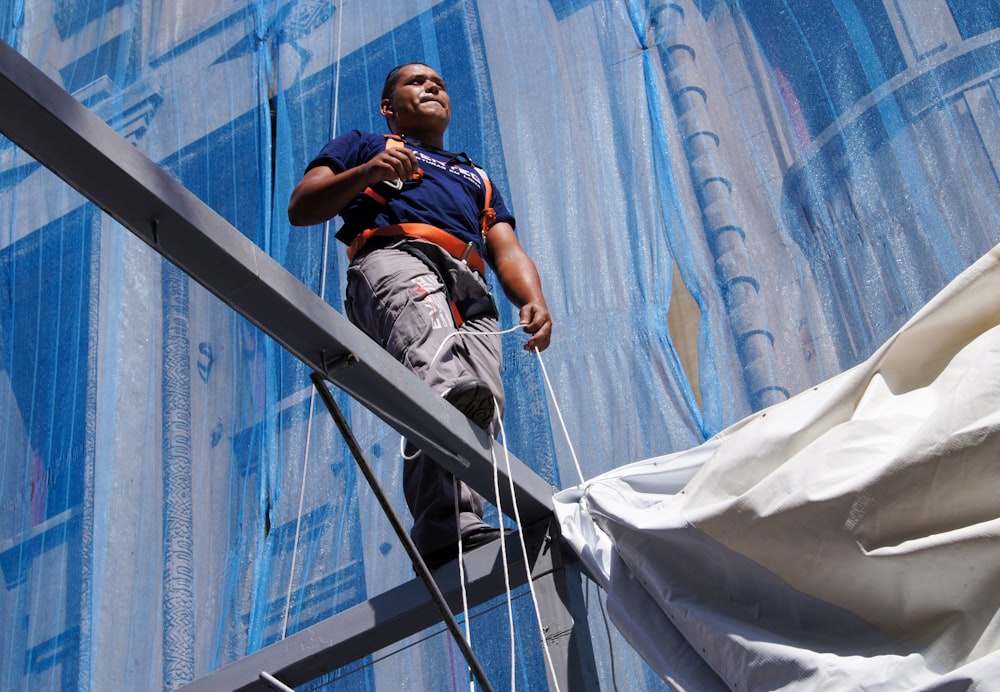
x: 407, y: 610
x: 383, y: 620
x: 563, y: 612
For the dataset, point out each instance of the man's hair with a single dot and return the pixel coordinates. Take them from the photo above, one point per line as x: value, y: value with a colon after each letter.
x: 393, y: 77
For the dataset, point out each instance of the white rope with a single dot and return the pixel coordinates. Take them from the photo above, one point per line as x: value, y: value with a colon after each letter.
x: 298, y: 518
x: 555, y: 403
x: 312, y: 395
x: 333, y: 133
x: 461, y: 570
x: 545, y: 375
x: 517, y: 517
x: 506, y: 570
x: 527, y: 564
x: 402, y: 450
x: 496, y: 487
x: 336, y: 80
x: 459, y: 332
x: 503, y: 557
x: 437, y: 354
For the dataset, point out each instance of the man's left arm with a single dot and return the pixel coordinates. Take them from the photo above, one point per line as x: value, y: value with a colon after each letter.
x: 521, y: 284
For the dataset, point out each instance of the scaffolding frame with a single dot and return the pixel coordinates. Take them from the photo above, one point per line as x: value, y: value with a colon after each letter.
x: 68, y: 139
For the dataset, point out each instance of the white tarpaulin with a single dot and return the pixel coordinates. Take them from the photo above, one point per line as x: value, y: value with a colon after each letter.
x: 844, y: 539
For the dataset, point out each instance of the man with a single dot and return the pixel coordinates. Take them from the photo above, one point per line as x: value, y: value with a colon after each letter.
x: 419, y: 221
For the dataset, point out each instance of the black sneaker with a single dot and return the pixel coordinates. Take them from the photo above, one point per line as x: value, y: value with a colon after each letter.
x: 443, y: 556
x: 474, y: 399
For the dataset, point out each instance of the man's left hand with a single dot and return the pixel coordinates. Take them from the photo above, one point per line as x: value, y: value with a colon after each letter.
x: 537, y: 322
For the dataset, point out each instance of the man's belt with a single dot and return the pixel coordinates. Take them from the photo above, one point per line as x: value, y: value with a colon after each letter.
x: 422, y: 231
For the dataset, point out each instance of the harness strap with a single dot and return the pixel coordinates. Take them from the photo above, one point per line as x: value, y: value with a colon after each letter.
x: 394, y: 142
x: 391, y: 142
x: 462, y: 251
x: 422, y: 231
x: 488, y: 216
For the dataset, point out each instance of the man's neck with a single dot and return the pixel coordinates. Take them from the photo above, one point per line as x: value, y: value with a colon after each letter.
x: 430, y: 138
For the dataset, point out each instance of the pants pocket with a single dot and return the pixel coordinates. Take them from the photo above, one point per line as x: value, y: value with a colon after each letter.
x: 397, y: 302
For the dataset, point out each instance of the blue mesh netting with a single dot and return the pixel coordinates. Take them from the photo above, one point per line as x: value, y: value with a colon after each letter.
x: 728, y: 202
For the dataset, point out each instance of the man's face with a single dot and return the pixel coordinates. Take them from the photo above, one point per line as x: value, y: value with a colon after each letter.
x: 418, y: 100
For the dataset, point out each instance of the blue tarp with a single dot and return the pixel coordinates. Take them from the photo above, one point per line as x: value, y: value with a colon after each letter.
x: 728, y: 202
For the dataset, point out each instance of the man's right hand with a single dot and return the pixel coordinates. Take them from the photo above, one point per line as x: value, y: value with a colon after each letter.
x: 322, y: 194
x: 392, y: 164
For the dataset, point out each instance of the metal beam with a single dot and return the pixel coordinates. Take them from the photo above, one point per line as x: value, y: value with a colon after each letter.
x: 43, y: 119
x: 385, y: 619
x: 562, y: 609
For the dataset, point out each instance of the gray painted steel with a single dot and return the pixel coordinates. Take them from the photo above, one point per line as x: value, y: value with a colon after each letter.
x: 383, y: 620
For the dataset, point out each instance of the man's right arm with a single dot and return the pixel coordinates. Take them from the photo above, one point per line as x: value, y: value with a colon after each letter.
x: 322, y: 193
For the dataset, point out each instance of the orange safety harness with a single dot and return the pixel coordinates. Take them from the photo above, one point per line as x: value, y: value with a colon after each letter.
x: 421, y: 231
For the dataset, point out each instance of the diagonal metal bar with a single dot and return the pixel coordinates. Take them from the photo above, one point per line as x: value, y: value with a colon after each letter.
x: 47, y: 122
x: 397, y: 526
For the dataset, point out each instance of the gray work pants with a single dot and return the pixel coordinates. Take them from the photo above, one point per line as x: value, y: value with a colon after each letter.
x: 403, y: 305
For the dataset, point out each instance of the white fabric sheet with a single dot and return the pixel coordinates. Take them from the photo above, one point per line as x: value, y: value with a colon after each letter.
x: 844, y: 539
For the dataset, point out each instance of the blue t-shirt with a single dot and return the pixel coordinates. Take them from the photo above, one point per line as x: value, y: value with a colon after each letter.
x: 449, y: 195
